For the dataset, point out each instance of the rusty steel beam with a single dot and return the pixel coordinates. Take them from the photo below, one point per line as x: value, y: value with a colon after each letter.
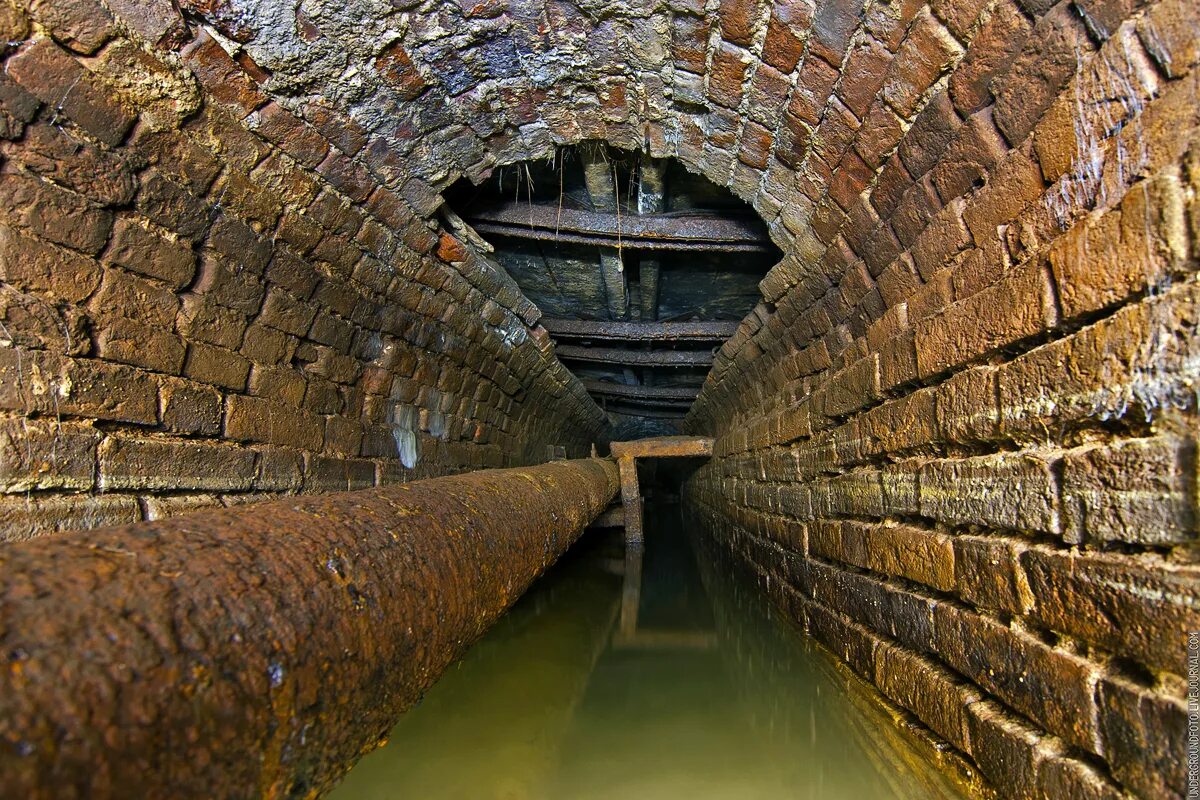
x: 711, y: 331
x: 680, y: 230
x: 644, y: 393
x: 636, y: 358
x: 258, y: 652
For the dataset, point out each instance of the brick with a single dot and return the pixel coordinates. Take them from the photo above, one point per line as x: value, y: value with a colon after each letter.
x: 58, y: 80
x: 140, y: 345
x: 905, y: 551
x: 283, y: 312
x: 216, y: 366
x: 156, y: 21
x: 833, y: 23
x: 943, y: 238
x: 1014, y: 491
x: 901, y: 495
x: 291, y: 134
x: 127, y: 296
x: 738, y: 20
x: 1001, y: 36
x: 1016, y: 308
x: 55, y: 214
x: 325, y: 474
x: 1145, y: 738
x: 782, y: 47
x: 987, y: 573
x: 1136, y: 605
x: 201, y: 320
x: 968, y: 161
x: 927, y: 52
x: 190, y: 408
x: 174, y: 505
x: 266, y: 345
x: 279, y: 470
x: 1059, y: 776
x: 1119, y: 366
x: 814, y: 84
x: 172, y: 206
x: 343, y: 437
x: 1105, y: 259
x: 1049, y: 686
x: 1013, y: 184
x: 141, y: 463
x: 278, y: 383
x: 1137, y: 490
x: 968, y: 407
x: 884, y: 608
x: 1168, y: 33
x: 905, y: 424
x: 398, y: 71
x: 223, y: 283
x: 863, y: 75
x: 73, y: 163
x: 1045, y: 65
x: 889, y: 22
x: 49, y: 384
x: 137, y: 249
x: 261, y: 420
x: 930, y: 135
x: 1008, y: 751
x: 46, y: 454
x: 223, y: 79
x: 928, y: 690
x: 178, y: 156
x: 58, y: 274
x: 726, y: 75
x: 27, y: 517
x: 80, y: 25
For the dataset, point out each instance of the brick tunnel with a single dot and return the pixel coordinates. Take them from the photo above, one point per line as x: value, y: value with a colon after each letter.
x: 925, y: 272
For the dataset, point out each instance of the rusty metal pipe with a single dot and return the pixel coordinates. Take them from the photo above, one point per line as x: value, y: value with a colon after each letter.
x: 260, y: 651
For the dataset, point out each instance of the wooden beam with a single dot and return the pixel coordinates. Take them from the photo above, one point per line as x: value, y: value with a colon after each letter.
x: 636, y: 358
x: 709, y: 331
x: 651, y: 200
x: 645, y: 393
x: 664, y: 447
x: 601, y: 186
x: 703, y: 231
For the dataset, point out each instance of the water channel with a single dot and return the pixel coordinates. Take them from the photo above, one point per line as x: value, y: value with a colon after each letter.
x: 661, y: 675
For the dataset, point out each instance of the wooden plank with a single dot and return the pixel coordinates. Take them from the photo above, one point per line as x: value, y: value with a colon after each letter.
x: 649, y: 393
x: 631, y: 499
x: 663, y: 447
x: 636, y: 358
x: 680, y: 230
x: 708, y: 331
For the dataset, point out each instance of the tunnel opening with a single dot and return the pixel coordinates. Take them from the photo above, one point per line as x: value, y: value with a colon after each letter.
x: 641, y: 268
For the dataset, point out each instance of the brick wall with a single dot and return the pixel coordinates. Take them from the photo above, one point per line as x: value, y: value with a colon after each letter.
x: 204, y: 301
x: 957, y: 438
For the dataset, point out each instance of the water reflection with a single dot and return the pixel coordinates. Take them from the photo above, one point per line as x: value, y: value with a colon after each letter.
x: 637, y: 675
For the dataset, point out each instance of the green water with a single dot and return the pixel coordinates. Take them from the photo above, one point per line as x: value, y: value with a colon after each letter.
x: 677, y: 682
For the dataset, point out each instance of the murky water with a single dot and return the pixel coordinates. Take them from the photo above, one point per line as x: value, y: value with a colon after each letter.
x: 603, y: 683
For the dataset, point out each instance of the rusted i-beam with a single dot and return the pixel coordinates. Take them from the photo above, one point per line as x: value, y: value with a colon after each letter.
x: 259, y: 651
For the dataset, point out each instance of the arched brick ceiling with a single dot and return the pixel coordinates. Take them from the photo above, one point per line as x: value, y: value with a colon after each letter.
x: 859, y: 130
